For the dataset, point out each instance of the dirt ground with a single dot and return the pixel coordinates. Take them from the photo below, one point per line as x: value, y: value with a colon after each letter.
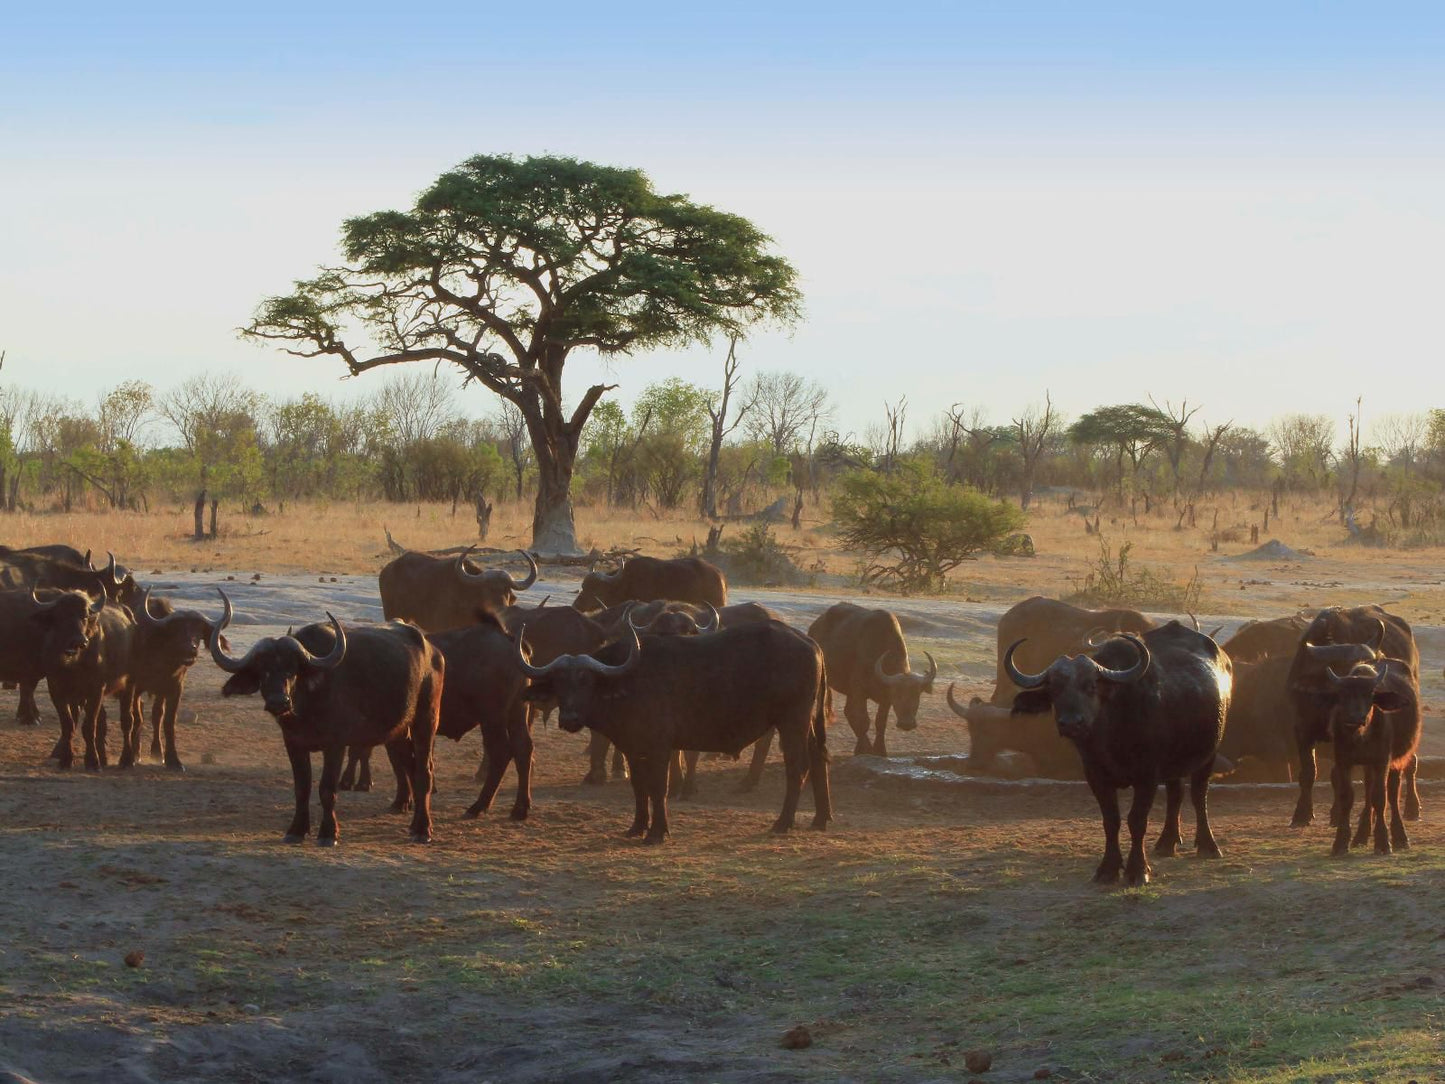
x: 928, y: 923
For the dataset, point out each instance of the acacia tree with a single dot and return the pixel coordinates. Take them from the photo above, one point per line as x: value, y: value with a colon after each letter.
x: 505, y: 266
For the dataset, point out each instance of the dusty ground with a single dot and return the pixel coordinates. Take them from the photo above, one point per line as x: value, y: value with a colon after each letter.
x: 929, y: 922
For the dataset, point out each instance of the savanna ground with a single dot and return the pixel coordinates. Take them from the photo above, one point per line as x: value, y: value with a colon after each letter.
x: 928, y: 922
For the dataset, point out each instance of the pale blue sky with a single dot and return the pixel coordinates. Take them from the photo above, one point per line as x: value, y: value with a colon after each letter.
x: 1244, y: 205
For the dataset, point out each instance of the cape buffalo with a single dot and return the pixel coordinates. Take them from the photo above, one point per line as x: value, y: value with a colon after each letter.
x: 81, y: 676
x: 685, y: 579
x: 437, y: 593
x: 1256, y: 640
x: 1050, y: 628
x: 166, y: 647
x: 35, y: 626
x: 868, y: 660
x: 1140, y: 712
x: 378, y: 685
x: 1334, y: 639
x: 1374, y: 719
x: 717, y: 693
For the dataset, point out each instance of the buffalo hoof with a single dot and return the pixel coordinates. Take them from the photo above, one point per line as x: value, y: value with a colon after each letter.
x: 325, y: 841
x: 474, y: 811
x: 173, y: 764
x: 652, y: 841
x: 419, y: 838
x: 1166, y: 848
x: 92, y: 765
x: 1208, y: 849
x: 862, y: 749
x: 344, y: 784
x: 1399, y: 840
x: 1412, y: 808
x: 1382, y: 846
x: 595, y: 779
x: 25, y: 720
x: 294, y: 837
x: 519, y: 813
x: 635, y: 831
x: 399, y: 807
x: 781, y: 829
x: 1107, y: 875
x: 363, y: 787
x: 1338, y: 851
x: 820, y: 824
x: 747, y: 786
x: 156, y: 752
x: 1301, y: 820
x: 59, y: 751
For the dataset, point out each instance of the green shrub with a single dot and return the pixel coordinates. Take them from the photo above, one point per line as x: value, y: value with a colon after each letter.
x: 1113, y: 581
x: 914, y: 528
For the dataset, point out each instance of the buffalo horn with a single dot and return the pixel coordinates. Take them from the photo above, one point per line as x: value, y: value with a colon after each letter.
x: 1379, y: 636
x: 713, y: 620
x: 1194, y: 621
x: 1135, y: 672
x: 87, y: 562
x: 952, y: 703
x: 583, y: 662
x: 1097, y: 636
x: 222, y: 659
x: 41, y: 607
x: 1017, y: 676
x: 145, y: 618
x: 462, y: 565
x: 332, y: 659
x: 110, y: 569
x: 522, y: 585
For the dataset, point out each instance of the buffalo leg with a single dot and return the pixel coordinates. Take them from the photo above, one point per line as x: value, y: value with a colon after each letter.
x: 399, y: 756
x: 90, y: 730
x: 1136, y: 869
x: 1398, y: 839
x: 422, y: 739
x: 1167, y: 845
x: 27, y: 711
x: 795, y: 767
x: 639, y: 796
x: 301, y: 783
x: 1412, y: 793
x: 1304, y: 810
x: 760, y: 758
x: 498, y: 746
x: 1113, y: 860
x: 619, y: 764
x: 596, y: 759
x: 168, y: 706
x: 855, y: 710
x: 1204, y: 843
x: 328, y: 831
x: 64, y: 750
x: 1367, y: 807
x: 157, y: 710
x: 522, y: 754
x: 357, y: 774
x: 880, y: 724
x: 689, y: 773
x: 1344, y: 802
x: 818, y: 772
x: 654, y: 773
x: 1375, y: 776
x: 130, y: 727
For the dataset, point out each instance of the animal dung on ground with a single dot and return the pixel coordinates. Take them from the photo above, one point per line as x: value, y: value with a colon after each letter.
x: 135, y: 958
x: 798, y: 1038
x: 978, y: 1061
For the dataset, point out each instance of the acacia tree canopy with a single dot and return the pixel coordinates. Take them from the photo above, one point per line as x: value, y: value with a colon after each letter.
x: 505, y: 266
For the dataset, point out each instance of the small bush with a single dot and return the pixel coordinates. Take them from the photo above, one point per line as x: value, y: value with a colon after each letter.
x: 756, y: 558
x: 915, y: 528
x: 1113, y: 581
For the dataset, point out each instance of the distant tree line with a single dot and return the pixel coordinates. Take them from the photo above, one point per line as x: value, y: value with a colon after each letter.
x: 727, y: 451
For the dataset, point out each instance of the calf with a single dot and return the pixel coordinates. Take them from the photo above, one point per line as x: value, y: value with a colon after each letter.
x: 1140, y: 712
x: 1374, y: 719
x: 719, y: 693
x: 165, y: 649
x: 81, y: 678
x: 377, y: 685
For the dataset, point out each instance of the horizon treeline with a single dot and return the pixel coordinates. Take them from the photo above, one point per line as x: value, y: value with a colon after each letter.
x: 408, y: 440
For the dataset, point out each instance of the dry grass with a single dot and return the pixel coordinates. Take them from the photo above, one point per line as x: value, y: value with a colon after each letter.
x: 345, y: 537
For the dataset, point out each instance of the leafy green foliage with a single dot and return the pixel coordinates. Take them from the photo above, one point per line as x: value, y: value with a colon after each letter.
x: 915, y: 528
x: 757, y: 558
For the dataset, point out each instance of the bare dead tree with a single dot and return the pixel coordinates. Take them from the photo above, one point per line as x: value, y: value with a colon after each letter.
x: 512, y: 424
x: 1352, y: 458
x: 1175, y: 423
x: 717, y: 411
x: 785, y: 405
x: 894, y: 416
x: 1032, y: 428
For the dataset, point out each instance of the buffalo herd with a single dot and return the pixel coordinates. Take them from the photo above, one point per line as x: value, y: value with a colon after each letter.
x: 654, y: 661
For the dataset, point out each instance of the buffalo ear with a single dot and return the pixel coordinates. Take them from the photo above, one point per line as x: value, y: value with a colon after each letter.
x: 1391, y: 700
x: 243, y: 684
x: 1032, y: 702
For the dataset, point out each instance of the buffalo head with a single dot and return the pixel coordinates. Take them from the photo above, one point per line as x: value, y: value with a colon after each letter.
x: 496, y: 588
x: 577, y: 682
x: 274, y: 665
x: 70, y: 620
x: 905, y: 689
x: 1075, y: 686
x: 1356, y: 697
x: 672, y: 621
x: 176, y: 636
